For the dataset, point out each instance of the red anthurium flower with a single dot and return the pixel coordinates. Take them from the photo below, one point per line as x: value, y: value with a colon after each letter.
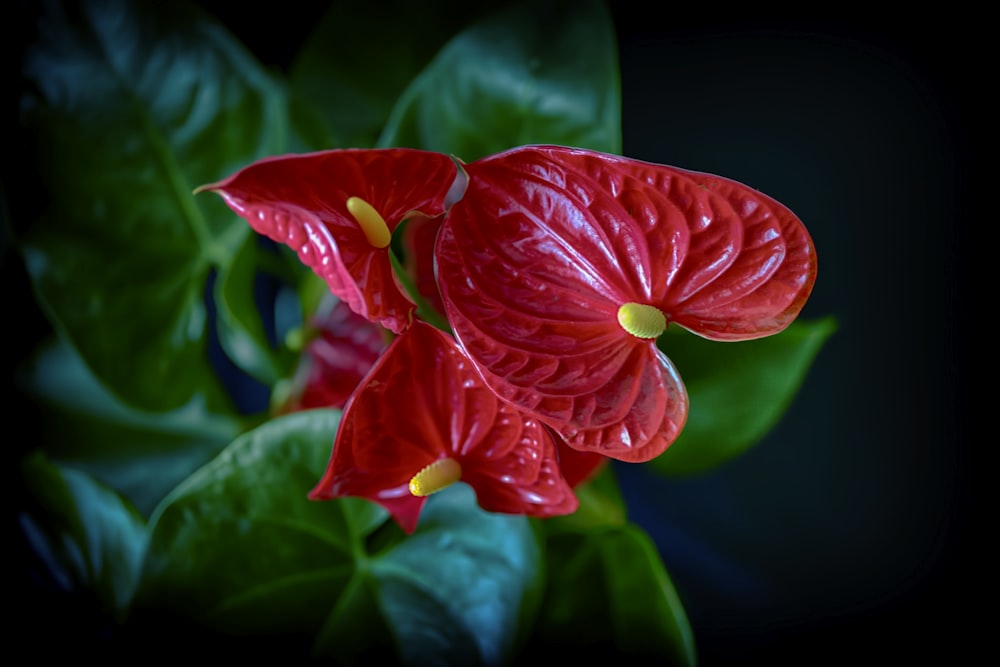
x: 337, y: 209
x: 422, y: 420
x: 560, y: 267
x: 342, y: 349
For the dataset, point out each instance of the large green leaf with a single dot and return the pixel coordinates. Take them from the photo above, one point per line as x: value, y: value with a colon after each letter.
x: 85, y: 537
x: 464, y: 588
x: 239, y: 553
x: 359, y: 59
x: 239, y: 548
x: 529, y: 73
x: 134, y: 105
x: 142, y: 455
x: 738, y: 391
x: 609, y: 597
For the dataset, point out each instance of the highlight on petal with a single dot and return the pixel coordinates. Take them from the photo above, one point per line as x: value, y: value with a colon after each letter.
x: 422, y: 403
x: 655, y: 421
x: 727, y: 262
x: 303, y: 202
x: 534, y: 292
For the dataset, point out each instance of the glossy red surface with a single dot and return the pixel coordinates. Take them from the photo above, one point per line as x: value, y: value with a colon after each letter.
x: 548, y: 242
x: 509, y: 459
x: 301, y: 200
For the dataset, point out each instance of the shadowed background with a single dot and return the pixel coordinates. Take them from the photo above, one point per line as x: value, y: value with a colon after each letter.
x: 845, y: 533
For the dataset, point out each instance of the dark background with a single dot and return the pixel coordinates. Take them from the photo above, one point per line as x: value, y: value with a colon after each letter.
x: 848, y: 534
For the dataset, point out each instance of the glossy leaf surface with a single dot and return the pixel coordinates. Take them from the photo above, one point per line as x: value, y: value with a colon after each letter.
x: 239, y: 540
x: 534, y: 295
x: 84, y: 535
x: 134, y: 106
x: 738, y: 391
x: 508, y: 459
x: 240, y: 552
x: 301, y: 201
x: 525, y: 74
x: 465, y: 587
x: 337, y: 102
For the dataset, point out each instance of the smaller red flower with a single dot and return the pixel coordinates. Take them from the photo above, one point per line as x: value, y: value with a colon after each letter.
x: 342, y: 349
x: 423, y: 419
x: 337, y: 209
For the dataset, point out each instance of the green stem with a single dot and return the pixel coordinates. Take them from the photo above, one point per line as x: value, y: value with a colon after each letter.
x: 425, y: 311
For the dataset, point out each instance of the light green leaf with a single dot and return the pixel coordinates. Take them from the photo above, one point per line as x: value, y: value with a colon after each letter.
x: 738, y: 391
x: 239, y: 548
x: 529, y: 73
x: 359, y: 59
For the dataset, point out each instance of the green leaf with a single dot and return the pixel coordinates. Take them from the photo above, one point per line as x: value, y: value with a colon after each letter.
x: 240, y: 327
x: 738, y: 391
x: 360, y: 58
x: 464, y: 588
x: 239, y: 553
x: 142, y: 455
x: 135, y: 105
x: 89, y: 539
x: 609, y: 596
x: 239, y: 548
x: 531, y: 73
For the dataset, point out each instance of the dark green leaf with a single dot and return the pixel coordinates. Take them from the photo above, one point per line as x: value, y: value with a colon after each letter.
x: 241, y: 329
x: 738, y: 391
x: 464, y: 588
x: 360, y: 58
x: 135, y: 105
x: 239, y: 548
x: 530, y: 73
x: 140, y: 454
x: 355, y: 631
x: 86, y: 536
x: 609, y: 597
x: 239, y: 551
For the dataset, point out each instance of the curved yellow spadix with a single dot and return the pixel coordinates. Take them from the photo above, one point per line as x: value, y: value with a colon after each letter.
x: 370, y: 221
x: 642, y: 321
x: 438, y: 475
